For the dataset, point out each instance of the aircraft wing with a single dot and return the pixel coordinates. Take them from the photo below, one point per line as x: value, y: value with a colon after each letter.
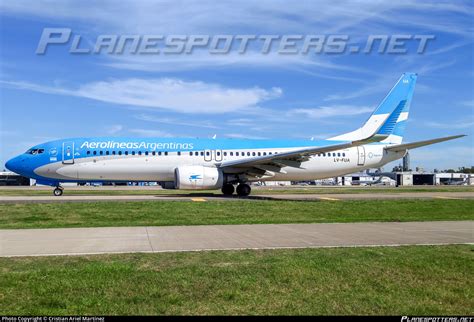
x: 262, y: 165
x: 408, y: 146
x: 273, y: 163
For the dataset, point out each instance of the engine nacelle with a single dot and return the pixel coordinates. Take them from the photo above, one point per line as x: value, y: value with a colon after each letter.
x: 195, y: 177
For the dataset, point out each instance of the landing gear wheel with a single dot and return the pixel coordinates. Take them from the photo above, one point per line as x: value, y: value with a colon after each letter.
x: 228, y: 189
x: 58, y: 192
x: 243, y: 189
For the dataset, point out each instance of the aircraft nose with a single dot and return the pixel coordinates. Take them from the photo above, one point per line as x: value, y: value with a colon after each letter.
x: 14, y: 165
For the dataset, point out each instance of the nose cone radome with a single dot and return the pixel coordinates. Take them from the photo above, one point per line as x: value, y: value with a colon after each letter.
x: 14, y: 165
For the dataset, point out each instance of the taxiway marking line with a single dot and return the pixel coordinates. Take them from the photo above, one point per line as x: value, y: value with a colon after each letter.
x: 452, y: 198
x: 198, y: 199
x: 330, y: 199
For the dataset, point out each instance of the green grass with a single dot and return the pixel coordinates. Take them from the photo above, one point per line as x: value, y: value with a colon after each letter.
x: 161, y: 213
x: 410, y: 280
x: 72, y: 191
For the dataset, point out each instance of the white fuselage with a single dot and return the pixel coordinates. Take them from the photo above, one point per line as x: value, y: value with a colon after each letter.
x: 162, y: 167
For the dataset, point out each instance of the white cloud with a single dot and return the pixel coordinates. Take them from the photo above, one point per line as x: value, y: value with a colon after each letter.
x: 451, y: 125
x: 357, y: 18
x: 164, y: 93
x: 201, y: 59
x: 175, y: 122
x: 151, y: 133
x: 245, y: 122
x: 244, y: 136
x: 332, y: 111
x: 468, y: 103
x: 442, y: 156
x: 113, y: 129
x: 196, y: 16
x: 177, y: 95
x: 367, y: 90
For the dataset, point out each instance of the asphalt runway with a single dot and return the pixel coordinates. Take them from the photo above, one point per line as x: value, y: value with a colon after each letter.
x: 77, y: 241
x: 210, y: 197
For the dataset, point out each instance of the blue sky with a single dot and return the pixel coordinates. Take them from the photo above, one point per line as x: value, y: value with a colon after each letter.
x: 57, y: 95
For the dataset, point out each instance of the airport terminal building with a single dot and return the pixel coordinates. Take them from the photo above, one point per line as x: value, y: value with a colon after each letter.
x: 408, y: 178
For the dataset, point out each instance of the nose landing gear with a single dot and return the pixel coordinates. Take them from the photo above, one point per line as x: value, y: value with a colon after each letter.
x: 58, y: 191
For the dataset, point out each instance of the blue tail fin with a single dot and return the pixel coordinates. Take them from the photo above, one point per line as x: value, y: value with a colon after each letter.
x: 405, y: 88
x: 391, y: 115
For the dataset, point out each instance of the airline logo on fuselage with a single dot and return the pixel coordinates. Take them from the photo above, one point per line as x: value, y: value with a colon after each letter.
x: 137, y: 145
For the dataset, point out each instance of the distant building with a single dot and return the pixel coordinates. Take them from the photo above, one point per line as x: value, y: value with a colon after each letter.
x: 406, y: 162
x: 275, y: 183
x: 431, y: 178
x: 8, y: 178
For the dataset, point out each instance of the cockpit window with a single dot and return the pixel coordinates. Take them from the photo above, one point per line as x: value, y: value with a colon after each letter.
x: 35, y: 151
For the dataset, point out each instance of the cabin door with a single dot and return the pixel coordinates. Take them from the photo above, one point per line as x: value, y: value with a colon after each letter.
x: 68, y: 152
x: 361, y: 155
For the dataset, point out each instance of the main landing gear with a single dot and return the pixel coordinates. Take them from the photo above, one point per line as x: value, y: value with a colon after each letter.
x: 58, y: 191
x: 243, y: 189
x: 228, y: 189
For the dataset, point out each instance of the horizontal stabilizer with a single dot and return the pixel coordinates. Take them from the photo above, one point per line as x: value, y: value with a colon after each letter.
x: 408, y: 146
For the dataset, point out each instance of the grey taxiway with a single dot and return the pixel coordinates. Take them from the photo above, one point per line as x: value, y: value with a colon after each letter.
x: 77, y: 241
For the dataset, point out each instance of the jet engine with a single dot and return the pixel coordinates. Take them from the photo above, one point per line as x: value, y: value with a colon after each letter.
x: 196, y: 177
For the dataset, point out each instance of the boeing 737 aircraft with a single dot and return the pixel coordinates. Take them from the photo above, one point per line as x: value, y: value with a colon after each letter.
x: 222, y: 163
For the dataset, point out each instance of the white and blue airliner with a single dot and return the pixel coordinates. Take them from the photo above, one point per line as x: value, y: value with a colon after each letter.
x: 225, y: 163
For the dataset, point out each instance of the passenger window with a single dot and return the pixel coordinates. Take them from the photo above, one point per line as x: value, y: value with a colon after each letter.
x: 253, y: 153
x: 236, y: 154
x: 166, y: 152
x: 338, y: 154
x: 133, y: 152
x: 113, y: 152
x: 146, y: 152
x: 218, y: 153
x: 259, y: 154
x: 120, y: 152
x: 159, y: 153
x: 225, y: 154
x: 248, y: 153
x: 101, y: 152
x: 202, y: 153
x: 153, y: 153
x: 207, y: 153
x: 95, y: 152
x: 231, y: 154
x: 343, y: 154
x: 269, y: 153
x: 334, y: 154
x: 139, y: 152
x: 264, y: 153
x: 179, y: 153
x: 88, y: 152
x: 126, y: 152
x: 107, y: 152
